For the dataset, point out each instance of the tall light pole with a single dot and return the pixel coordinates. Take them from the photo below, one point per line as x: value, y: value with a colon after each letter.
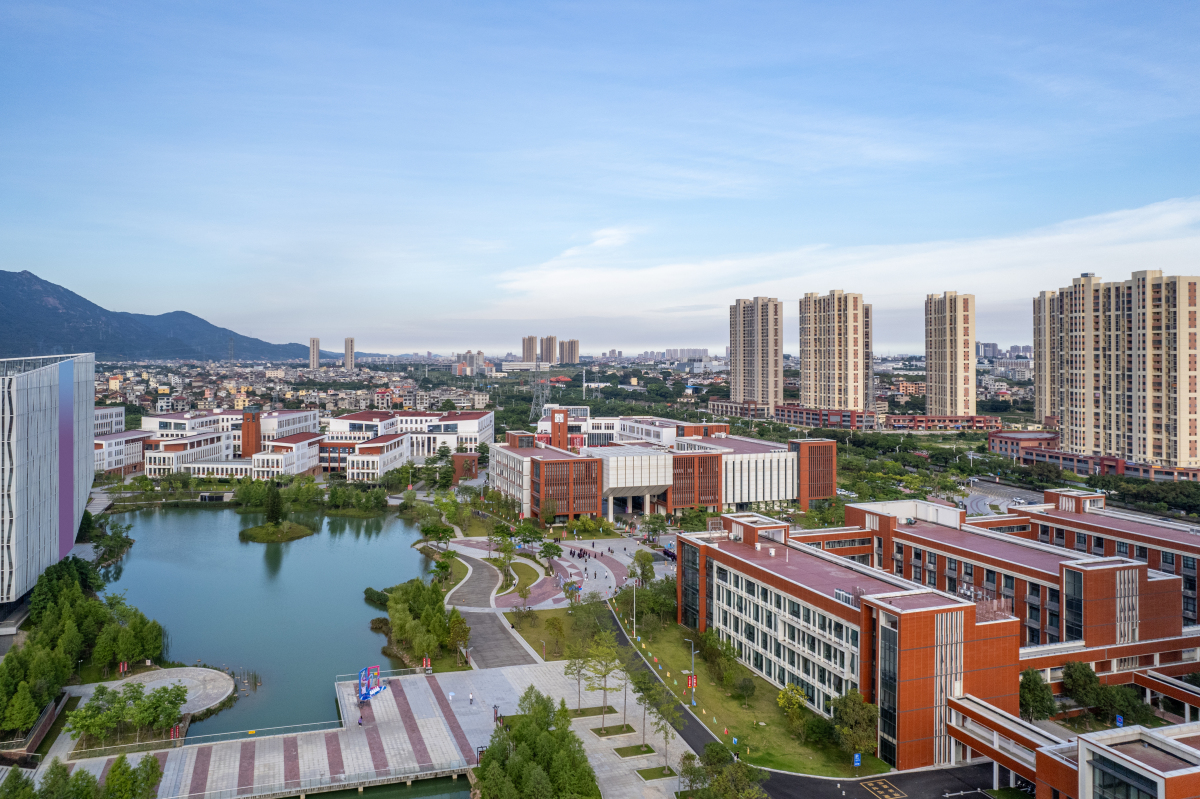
x: 692, y: 646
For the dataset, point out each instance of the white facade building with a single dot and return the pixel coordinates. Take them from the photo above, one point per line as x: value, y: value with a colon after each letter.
x: 170, y: 455
x: 120, y: 452
x: 752, y: 470
x: 377, y: 457
x: 632, y: 470
x: 47, y: 414
x: 296, y: 454
x: 109, y: 420
x: 362, y: 426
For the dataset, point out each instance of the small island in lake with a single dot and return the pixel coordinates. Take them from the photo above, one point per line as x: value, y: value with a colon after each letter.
x: 275, y: 532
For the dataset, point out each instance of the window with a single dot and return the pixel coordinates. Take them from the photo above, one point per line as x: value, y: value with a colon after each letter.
x: 1140, y: 553
x: 951, y: 585
x: 916, y: 574
x: 1168, y: 559
x: 1073, y: 612
x: 751, y: 588
x: 931, y: 559
x: 722, y: 574
x: 952, y: 564
x: 1034, y: 613
x: 968, y: 572
x: 838, y: 630
x: 854, y: 638
x: 1009, y: 583
x: 764, y: 595
x: 793, y: 609
x: 1123, y: 549
x: 1052, y: 595
x: 900, y: 550
x: 917, y: 554
x: 1052, y: 621
x: 1189, y: 563
x: 989, y: 578
x: 931, y: 579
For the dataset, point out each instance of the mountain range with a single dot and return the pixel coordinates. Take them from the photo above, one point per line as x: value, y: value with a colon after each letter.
x: 38, y: 317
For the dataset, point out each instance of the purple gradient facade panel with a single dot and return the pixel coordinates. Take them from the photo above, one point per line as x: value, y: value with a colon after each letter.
x: 66, y: 458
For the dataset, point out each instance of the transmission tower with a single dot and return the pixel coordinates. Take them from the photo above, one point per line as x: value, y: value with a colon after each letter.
x: 541, y: 394
x: 231, y: 348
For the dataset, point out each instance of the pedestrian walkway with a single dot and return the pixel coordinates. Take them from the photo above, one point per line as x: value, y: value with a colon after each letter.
x: 420, y: 726
x: 476, y: 590
x: 493, y: 644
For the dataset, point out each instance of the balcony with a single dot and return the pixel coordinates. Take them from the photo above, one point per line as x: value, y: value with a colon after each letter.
x: 1033, y: 599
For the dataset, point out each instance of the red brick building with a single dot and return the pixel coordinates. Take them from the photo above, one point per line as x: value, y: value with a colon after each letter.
x: 825, y: 418
x: 534, y: 473
x: 902, y: 422
x: 1013, y: 444
x: 816, y: 469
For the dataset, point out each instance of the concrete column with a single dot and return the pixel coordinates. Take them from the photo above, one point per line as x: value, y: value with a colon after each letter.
x: 611, y: 502
x: 646, y: 504
x: 1012, y: 779
x: 995, y: 776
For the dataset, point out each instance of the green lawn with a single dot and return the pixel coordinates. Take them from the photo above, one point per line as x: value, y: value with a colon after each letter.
x: 609, y: 731
x: 634, y: 751
x: 526, y: 574
x: 476, y: 527
x: 770, y: 746
x: 1086, y: 722
x: 655, y: 773
x: 535, y: 635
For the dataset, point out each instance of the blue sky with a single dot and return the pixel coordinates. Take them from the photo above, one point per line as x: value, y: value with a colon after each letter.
x: 442, y: 176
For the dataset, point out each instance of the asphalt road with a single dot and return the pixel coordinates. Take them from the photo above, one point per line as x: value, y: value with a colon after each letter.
x: 934, y: 783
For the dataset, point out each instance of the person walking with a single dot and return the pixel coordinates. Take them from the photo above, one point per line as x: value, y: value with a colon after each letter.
x: 472, y: 697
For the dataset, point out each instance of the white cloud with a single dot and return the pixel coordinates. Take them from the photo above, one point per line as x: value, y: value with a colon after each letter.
x: 1003, y: 272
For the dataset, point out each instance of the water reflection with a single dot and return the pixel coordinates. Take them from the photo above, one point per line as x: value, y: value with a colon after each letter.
x: 294, y: 612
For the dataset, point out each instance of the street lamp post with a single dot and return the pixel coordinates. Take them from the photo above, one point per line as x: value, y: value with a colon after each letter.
x: 692, y: 646
x: 543, y: 650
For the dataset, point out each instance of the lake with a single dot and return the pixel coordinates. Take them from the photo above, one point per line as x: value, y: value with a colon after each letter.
x: 293, y: 612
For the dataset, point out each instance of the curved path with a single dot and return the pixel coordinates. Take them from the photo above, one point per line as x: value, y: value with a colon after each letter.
x: 476, y: 590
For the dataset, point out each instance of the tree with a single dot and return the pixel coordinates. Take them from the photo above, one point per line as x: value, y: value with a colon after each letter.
x: 654, y: 524
x: 577, y: 668
x: 460, y: 634
x: 274, y: 504
x: 793, y: 701
x: 664, y: 717
x: 1080, y: 683
x: 554, y: 626
x: 447, y: 406
x: 548, y: 510
x: 643, y: 566
x: 745, y: 688
x: 84, y: 785
x: 56, y: 781
x: 1037, y: 700
x: 16, y: 785
x: 739, y: 779
x: 21, y: 712
x: 603, y: 667
x: 483, y: 451
x: 855, y: 722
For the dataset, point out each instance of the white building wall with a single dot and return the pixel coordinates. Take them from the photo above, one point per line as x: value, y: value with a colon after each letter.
x: 109, y: 420
x: 759, y: 477
x: 46, y: 405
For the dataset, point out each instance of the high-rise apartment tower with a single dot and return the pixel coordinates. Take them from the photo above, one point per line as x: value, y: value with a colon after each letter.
x: 1125, y: 355
x: 950, y: 354
x: 529, y: 352
x: 314, y: 353
x: 756, y: 352
x: 568, y: 351
x: 349, y: 357
x: 835, y: 352
x: 549, y: 352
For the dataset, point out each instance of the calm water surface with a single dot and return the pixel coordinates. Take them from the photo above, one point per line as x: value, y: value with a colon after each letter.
x: 292, y: 612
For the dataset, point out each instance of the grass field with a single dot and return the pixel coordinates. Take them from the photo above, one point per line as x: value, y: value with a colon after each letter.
x: 637, y: 750
x: 476, y: 527
x: 535, y: 635
x: 611, y: 730
x: 526, y: 574
x: 770, y: 746
x: 655, y: 773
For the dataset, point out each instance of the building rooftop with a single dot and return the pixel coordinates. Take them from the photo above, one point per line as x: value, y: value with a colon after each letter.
x: 296, y: 438
x: 125, y: 436
x: 1146, y: 753
x: 1006, y: 549
x: 1025, y: 435
x: 380, y: 440
x: 365, y: 416
x: 736, y: 444
x: 1119, y: 524
x: 921, y: 601
x: 825, y: 575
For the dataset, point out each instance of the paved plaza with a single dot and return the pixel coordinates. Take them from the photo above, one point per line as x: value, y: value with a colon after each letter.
x: 421, y: 724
